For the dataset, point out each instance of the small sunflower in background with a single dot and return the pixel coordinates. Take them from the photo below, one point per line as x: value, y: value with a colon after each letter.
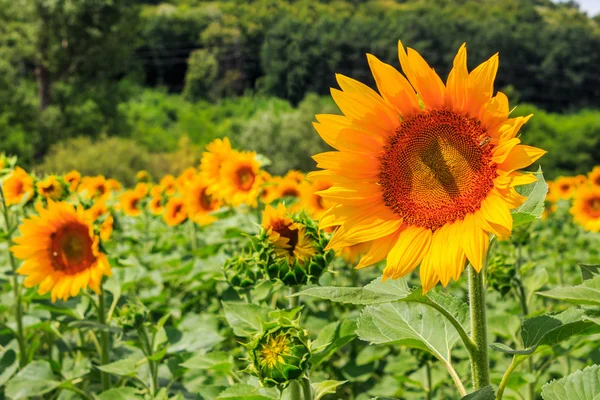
x: 586, y: 208
x: 565, y: 187
x: 185, y: 178
x: 156, y: 191
x: 130, y: 202
x: 175, y: 211
x: 295, y: 175
x: 240, y: 181
x: 288, y: 187
x: 142, y: 176
x: 155, y: 205
x: 18, y: 187
x: 113, y: 185
x: 60, y: 252
x: 106, y: 228
x: 168, y: 184
x: 269, y: 186
x: 594, y: 176
x: 200, y: 205
x: 50, y: 188
x: 217, y: 152
x: 94, y: 187
x: 312, y: 201
x: 97, y: 210
x: 425, y: 170
x: 72, y: 178
x: 142, y: 188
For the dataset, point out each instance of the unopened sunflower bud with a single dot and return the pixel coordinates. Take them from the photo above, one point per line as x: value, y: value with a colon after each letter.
x: 242, y: 272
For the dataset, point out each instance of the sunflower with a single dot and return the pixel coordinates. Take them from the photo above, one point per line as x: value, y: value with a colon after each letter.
x: 586, y: 208
x: 97, y: 210
x: 288, y: 237
x: 175, y: 211
x: 168, y: 185
x: 142, y: 176
x: 315, y: 204
x: 18, y: 187
x: 185, y: 178
x: 352, y: 254
x: 60, y: 252
x: 155, y: 205
x: 218, y: 151
x: 156, y: 191
x: 50, y: 188
x: 94, y: 187
x: 295, y: 175
x: 425, y: 170
x: 200, y: 205
x: 288, y: 187
x: 113, y: 184
x: 565, y: 187
x: 106, y: 229
x: 130, y: 203
x: 268, y: 191
x: 240, y: 181
x: 142, y: 188
x: 72, y: 178
x: 594, y: 176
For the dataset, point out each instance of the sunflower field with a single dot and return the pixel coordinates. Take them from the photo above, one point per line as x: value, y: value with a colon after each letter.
x: 426, y: 257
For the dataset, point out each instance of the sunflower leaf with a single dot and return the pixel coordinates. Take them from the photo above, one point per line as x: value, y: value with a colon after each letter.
x: 375, y: 292
x: 485, y: 393
x: 588, y: 293
x: 35, y: 379
x: 533, y: 207
x: 580, y: 385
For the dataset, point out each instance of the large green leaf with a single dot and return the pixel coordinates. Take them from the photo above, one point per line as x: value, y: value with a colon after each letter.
x: 533, y: 207
x: 241, y: 391
x: 122, y: 393
x: 375, y: 292
x: 550, y: 329
x: 331, y: 338
x: 35, y: 379
x: 588, y: 293
x: 125, y: 367
x: 580, y: 385
x: 245, y: 319
x: 409, y: 324
x: 486, y: 393
x: 217, y: 361
x: 9, y: 363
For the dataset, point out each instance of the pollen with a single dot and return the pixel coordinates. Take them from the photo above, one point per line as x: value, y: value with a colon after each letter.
x: 437, y: 168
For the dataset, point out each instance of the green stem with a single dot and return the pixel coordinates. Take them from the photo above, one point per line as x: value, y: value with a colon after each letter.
x: 306, y: 389
x: 428, y: 373
x: 194, y: 234
x: 104, y: 340
x: 505, y: 378
x: 524, y: 307
x: 293, y: 300
x: 16, y: 287
x: 455, y: 378
x: 480, y: 366
x: 79, y: 392
x: 147, y: 347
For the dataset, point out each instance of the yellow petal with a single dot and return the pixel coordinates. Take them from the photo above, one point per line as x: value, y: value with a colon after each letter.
x: 456, y: 85
x: 424, y: 79
x: 475, y: 242
x: 410, y: 248
x: 521, y: 156
x: 378, y: 251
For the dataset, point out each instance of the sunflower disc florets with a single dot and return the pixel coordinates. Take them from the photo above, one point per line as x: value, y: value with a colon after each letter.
x: 291, y: 248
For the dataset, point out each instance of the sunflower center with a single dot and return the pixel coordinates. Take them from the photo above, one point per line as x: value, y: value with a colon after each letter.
x: 272, y: 351
x: 594, y: 204
x: 290, y: 192
x: 206, y: 201
x: 437, y: 168
x: 245, y: 178
x: 19, y: 187
x: 71, y: 248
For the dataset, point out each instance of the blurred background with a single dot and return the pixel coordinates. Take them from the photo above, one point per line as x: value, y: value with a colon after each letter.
x: 115, y: 86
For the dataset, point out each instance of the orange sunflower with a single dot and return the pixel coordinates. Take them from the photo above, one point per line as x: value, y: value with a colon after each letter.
x: 240, y: 181
x: 425, y: 170
x: 201, y: 205
x: 72, y: 178
x: 60, y: 252
x: 50, y: 188
x: 565, y: 187
x: 315, y: 204
x: 155, y: 205
x: 106, y: 229
x: 175, y: 211
x: 94, y: 187
x: 218, y: 151
x: 594, y: 176
x: 113, y: 184
x: 130, y: 203
x: 97, y: 210
x: 586, y: 208
x: 168, y: 185
x: 185, y: 178
x: 18, y: 187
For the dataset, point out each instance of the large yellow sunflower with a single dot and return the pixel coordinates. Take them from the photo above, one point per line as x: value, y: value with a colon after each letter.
x: 586, y: 208
x: 50, y: 188
x: 426, y: 170
x: 288, y: 237
x: 240, y: 181
x: 594, y: 176
x: 217, y: 152
x: 175, y: 211
x: 18, y: 187
x: 60, y: 252
x: 200, y: 205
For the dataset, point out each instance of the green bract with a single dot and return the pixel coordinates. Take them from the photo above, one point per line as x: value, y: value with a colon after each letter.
x: 501, y: 274
x: 242, y: 271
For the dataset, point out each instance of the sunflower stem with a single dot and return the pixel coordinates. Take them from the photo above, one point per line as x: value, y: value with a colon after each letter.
x: 15, y: 285
x: 480, y: 366
x: 293, y: 300
x: 104, y: 340
x: 306, y: 389
x: 194, y: 233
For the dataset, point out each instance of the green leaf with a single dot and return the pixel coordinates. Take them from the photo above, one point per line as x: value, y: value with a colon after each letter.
x: 409, y: 324
x: 326, y: 387
x: 506, y: 349
x: 486, y: 393
x: 245, y: 319
x: 588, y: 293
x: 580, y: 385
x: 375, y: 292
x: 9, y: 363
x: 589, y: 271
x: 217, y: 361
x: 35, y: 379
x: 125, y: 367
x: 123, y: 393
x: 331, y: 338
x: 241, y: 391
x: 533, y: 207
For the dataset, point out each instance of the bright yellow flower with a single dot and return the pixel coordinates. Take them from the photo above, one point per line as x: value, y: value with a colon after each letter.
x: 72, y: 178
x: 594, y: 176
x: 175, y: 211
x: 106, y: 229
x: 185, y: 178
x: 60, y: 252
x: 97, y: 210
x: 142, y: 176
x: 155, y: 205
x: 565, y: 187
x: 168, y: 185
x: 352, y: 254
x: 240, y: 181
x: 425, y: 170
x: 94, y: 187
x: 288, y: 237
x: 156, y: 191
x: 142, y: 189
x: 50, y: 188
x: 586, y: 208
x: 268, y: 191
x: 130, y: 203
x: 113, y: 184
x: 295, y: 175
x: 18, y: 187
x: 200, y: 205
x: 217, y: 152
x: 287, y: 187
x: 311, y: 199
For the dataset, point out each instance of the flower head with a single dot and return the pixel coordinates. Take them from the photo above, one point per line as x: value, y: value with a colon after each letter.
x: 18, y: 187
x: 175, y: 211
x: 50, y: 188
x: 217, y: 152
x: 131, y: 203
x: 201, y: 205
x: 594, y: 176
x: 240, y: 181
x: 586, y: 208
x: 72, y: 178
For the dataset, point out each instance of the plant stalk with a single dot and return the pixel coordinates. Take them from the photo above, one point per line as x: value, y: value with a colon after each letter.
x: 480, y: 366
x: 104, y: 340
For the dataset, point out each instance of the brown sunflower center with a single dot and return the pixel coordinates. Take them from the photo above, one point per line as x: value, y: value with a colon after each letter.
x: 437, y: 168
x: 594, y: 206
x: 290, y: 192
x: 206, y: 200
x: 48, y: 189
x: 286, y: 231
x: 71, y: 248
x: 245, y: 178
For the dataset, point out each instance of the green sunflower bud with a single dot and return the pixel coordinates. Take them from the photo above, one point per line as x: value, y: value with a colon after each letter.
x: 281, y: 355
x: 291, y: 247
x: 242, y: 272
x: 501, y: 274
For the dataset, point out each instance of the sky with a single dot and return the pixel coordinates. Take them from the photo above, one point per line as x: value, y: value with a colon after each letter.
x: 592, y: 7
